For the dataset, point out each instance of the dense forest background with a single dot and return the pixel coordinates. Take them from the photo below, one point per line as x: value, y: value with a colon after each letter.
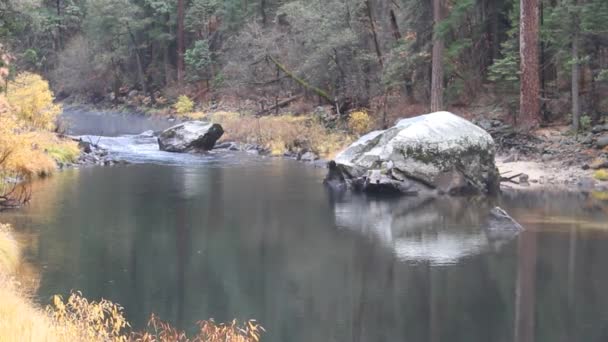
x: 392, y: 57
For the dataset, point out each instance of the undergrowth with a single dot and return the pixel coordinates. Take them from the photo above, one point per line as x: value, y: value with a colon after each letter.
x: 280, y: 134
x: 79, y: 319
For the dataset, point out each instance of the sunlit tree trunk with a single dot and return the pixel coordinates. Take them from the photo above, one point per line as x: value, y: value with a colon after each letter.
x: 529, y: 99
x: 437, y: 60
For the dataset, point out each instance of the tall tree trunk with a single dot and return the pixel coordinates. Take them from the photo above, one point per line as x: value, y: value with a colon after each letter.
x: 263, y: 12
x: 370, y: 17
x: 494, y: 38
x: 180, y: 41
x: 166, y: 64
x: 576, y: 108
x: 139, y: 61
x: 59, y: 29
x: 437, y: 60
x: 576, y: 71
x: 529, y: 94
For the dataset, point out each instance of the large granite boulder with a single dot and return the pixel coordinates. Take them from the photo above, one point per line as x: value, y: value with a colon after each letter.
x: 433, y: 153
x: 190, y: 136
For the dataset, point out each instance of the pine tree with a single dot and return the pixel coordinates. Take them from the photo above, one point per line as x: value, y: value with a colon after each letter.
x: 529, y: 103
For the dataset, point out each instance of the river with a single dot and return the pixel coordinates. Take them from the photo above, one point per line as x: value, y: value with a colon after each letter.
x: 232, y: 235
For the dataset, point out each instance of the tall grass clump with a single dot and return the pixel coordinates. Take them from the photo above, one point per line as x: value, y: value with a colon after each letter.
x: 279, y: 134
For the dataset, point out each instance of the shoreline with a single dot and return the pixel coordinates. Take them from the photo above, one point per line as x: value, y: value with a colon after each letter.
x: 548, y: 176
x: 550, y: 158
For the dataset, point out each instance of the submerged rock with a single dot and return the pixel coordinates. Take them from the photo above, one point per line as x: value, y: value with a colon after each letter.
x: 190, y: 136
x: 499, y: 220
x: 437, y: 152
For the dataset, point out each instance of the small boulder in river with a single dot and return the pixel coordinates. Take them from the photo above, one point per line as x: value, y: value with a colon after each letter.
x: 190, y: 136
x: 437, y: 152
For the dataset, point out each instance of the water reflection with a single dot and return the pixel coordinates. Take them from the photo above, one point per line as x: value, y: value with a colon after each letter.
x: 440, y: 231
x: 264, y: 240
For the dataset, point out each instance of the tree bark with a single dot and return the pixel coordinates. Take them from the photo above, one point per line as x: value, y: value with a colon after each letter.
x: 180, y: 41
x: 529, y: 99
x: 138, y: 60
x: 437, y: 60
x: 576, y: 71
x: 372, y: 23
x: 576, y: 108
x: 263, y: 12
x: 59, y: 29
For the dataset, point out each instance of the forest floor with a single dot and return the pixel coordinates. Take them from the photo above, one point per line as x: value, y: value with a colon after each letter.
x: 553, y: 158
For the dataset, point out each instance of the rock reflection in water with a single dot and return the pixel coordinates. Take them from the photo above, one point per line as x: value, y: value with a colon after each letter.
x: 441, y: 231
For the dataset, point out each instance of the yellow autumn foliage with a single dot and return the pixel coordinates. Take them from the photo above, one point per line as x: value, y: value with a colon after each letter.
x: 31, y: 99
x: 359, y: 122
x: 601, y: 174
x: 28, y: 148
x: 183, y: 105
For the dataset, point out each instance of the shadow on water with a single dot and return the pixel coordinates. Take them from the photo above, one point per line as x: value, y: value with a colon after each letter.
x: 234, y: 236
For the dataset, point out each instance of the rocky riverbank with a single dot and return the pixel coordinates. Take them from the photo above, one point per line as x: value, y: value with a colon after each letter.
x: 550, y: 157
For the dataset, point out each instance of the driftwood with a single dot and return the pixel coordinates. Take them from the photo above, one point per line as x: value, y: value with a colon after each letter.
x: 509, y: 179
x: 280, y: 104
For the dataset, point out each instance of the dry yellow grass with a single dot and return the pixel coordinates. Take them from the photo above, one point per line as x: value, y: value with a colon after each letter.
x: 280, y: 134
x: 79, y: 319
x: 9, y: 251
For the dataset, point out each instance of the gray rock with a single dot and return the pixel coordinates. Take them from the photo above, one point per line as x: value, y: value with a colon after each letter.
x: 309, y: 157
x: 223, y: 146
x: 190, y: 136
x: 420, y: 152
x: 499, y: 220
x: 600, y: 128
x: 602, y: 141
x: 85, y: 146
x: 588, y: 139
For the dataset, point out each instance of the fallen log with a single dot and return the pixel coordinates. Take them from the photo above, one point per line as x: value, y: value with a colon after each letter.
x: 280, y: 104
x: 320, y: 92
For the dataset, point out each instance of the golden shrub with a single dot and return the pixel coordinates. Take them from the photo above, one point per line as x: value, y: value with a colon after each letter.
x: 279, y: 134
x: 183, y: 105
x: 601, y: 175
x: 31, y: 99
x: 359, y: 122
x: 27, y: 114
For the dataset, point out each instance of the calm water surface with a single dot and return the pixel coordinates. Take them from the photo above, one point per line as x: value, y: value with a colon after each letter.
x: 238, y: 236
